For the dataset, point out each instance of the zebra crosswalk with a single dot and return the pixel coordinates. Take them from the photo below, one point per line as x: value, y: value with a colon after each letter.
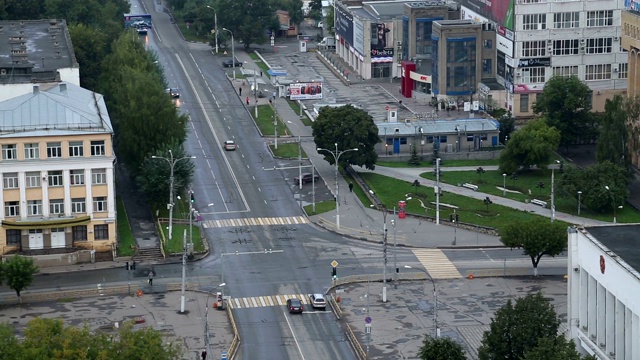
x: 265, y: 221
x: 437, y: 264
x: 264, y: 301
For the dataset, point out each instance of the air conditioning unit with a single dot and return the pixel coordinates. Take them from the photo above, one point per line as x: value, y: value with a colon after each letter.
x: 616, y: 38
x: 583, y: 41
x: 407, y: 121
x: 549, y: 42
x: 614, y: 67
x: 518, y: 74
x: 550, y: 49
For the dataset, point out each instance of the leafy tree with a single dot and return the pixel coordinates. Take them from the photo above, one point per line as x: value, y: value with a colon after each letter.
x: 294, y: 7
x: 19, y: 271
x: 554, y: 348
x: 529, y: 146
x: 249, y: 20
x: 153, y: 179
x: 441, y: 349
x: 591, y: 181
x: 348, y: 128
x: 330, y: 20
x: 22, y: 9
x: 90, y: 47
x: 536, y: 238
x: 565, y: 103
x: 415, y: 159
x: 9, y: 344
x: 515, y: 329
x: 613, y: 142
x: 507, y: 125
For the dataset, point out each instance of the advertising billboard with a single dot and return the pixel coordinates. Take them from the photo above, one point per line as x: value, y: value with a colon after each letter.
x: 505, y: 45
x: 344, y: 23
x: 382, y: 40
x: 358, y: 36
x: 500, y: 11
x: 305, y: 91
x: 137, y: 20
x: 632, y: 5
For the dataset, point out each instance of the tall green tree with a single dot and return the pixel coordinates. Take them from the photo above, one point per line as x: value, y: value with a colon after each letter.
x: 536, y: 238
x: 349, y: 128
x: 441, y: 349
x: 565, y: 104
x: 248, y: 20
x: 613, y: 142
x: 21, y: 9
x: 294, y: 8
x: 18, y: 272
x: 517, y: 328
x: 330, y: 21
x: 554, y: 348
x: 532, y: 145
x: 90, y: 46
x: 9, y: 344
x: 507, y: 125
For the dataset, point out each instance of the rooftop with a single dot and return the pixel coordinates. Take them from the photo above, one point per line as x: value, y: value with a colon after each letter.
x: 54, y: 109
x: 437, y: 126
x: 623, y: 240
x: 34, y: 49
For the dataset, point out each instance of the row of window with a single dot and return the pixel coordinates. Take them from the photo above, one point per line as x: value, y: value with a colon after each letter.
x: 56, y: 206
x: 567, y: 20
x: 541, y: 48
x: 33, y: 179
x: 54, y: 150
x: 79, y: 233
x: 440, y: 139
x: 537, y: 75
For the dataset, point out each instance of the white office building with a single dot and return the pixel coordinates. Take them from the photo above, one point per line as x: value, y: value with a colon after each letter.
x: 604, y: 291
x: 537, y: 39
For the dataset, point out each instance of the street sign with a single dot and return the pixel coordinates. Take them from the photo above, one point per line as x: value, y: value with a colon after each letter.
x: 367, y: 328
x: 367, y: 320
x: 334, y: 263
x: 223, y: 355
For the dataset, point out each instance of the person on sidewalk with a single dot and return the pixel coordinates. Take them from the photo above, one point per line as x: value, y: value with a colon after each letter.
x: 260, y: 73
x: 248, y: 101
x: 240, y: 91
x: 350, y: 187
x: 151, y: 277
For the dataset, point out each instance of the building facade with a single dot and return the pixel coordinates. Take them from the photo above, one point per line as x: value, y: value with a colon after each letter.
x: 537, y: 39
x: 58, y: 189
x: 603, y: 291
x: 631, y: 43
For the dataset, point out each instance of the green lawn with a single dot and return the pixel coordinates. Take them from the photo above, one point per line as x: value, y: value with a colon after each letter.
x: 260, y: 64
x: 296, y: 108
x: 265, y: 121
x: 447, y: 163
x: 175, y: 245
x: 321, y: 207
x: 364, y: 199
x: 287, y: 150
x: 126, y: 241
x: 188, y: 33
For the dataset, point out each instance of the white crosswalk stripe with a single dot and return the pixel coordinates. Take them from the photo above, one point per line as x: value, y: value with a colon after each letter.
x: 437, y: 264
x: 290, y: 220
x: 265, y: 301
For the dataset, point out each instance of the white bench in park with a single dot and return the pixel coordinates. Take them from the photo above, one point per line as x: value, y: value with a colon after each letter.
x: 471, y: 186
x: 539, y: 202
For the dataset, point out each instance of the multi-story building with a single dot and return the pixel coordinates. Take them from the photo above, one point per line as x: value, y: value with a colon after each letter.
x: 537, y: 39
x: 631, y: 43
x: 57, y: 171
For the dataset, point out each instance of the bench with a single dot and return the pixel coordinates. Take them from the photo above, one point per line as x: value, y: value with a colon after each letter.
x: 539, y: 202
x: 471, y: 186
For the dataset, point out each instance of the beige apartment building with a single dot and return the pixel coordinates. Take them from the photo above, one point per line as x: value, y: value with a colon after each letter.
x: 57, y: 171
x: 631, y: 43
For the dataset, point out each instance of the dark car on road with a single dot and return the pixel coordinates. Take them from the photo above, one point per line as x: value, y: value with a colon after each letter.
x: 295, y: 306
x: 306, y: 178
x: 229, y: 63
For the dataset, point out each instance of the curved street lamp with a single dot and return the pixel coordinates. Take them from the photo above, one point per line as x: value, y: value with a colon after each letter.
x: 435, y: 299
x: 233, y: 53
x: 215, y: 26
x: 336, y: 156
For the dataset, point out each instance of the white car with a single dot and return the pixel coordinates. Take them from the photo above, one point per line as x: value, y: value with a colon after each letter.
x: 320, y: 24
x: 229, y: 145
x: 317, y: 301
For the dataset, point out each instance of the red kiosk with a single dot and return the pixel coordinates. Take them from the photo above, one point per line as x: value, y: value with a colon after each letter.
x: 402, y: 212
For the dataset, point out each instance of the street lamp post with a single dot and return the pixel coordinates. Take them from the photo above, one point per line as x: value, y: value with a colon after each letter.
x: 435, y: 300
x: 172, y: 163
x: 395, y: 259
x: 579, y: 193
x: 553, y: 191
x: 615, y: 208
x: 233, y: 53
x: 215, y: 26
x: 438, y: 191
x: 299, y: 155
x: 206, y: 322
x: 336, y: 157
x: 504, y: 184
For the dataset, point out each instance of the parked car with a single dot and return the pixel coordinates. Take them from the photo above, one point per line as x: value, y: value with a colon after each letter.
x: 173, y: 93
x: 295, y: 306
x: 318, y: 301
x: 306, y: 178
x: 229, y: 63
x: 229, y: 145
x: 320, y: 24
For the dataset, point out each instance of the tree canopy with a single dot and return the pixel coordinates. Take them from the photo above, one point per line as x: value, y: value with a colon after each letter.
x: 554, y: 348
x: 18, y: 272
x: 613, y: 142
x: 51, y: 339
x: 536, y: 238
x: 349, y: 128
x: 441, y: 349
x: 248, y: 20
x: 529, y: 146
x: 565, y: 103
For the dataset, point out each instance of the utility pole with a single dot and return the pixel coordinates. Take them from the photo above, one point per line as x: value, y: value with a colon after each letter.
x: 395, y: 258
x: 384, y: 255
x: 336, y: 157
x: 438, y: 191
x: 184, y: 272
x: 255, y: 95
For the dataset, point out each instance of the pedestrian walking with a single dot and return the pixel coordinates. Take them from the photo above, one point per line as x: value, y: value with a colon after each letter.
x: 260, y: 73
x: 151, y: 277
x: 248, y: 101
x: 204, y: 354
x: 240, y: 91
x: 350, y: 187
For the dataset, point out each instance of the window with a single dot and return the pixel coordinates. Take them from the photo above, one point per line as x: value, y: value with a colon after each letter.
x: 101, y: 232
x: 565, y: 47
x: 534, y: 49
x: 599, y: 46
x: 32, y: 151
x: 598, y: 72
x: 97, y: 148
x: 79, y: 233
x: 11, y: 208
x: 56, y: 206
x: 54, y: 150
x: 566, y: 20
x: 488, y: 44
x: 470, y: 137
x: 34, y: 207
x: 533, y: 75
x: 566, y: 71
x: 76, y: 148
x: 623, y: 71
x: 55, y: 178
x: 524, y: 103
x: 98, y: 176
x: 486, y: 66
x: 76, y: 177
x: 13, y: 236
x: 600, y: 18
x: 100, y: 204
x: 534, y: 22
x: 10, y: 180
x: 532, y: 1
x: 33, y: 179
x: 443, y: 139
x: 78, y: 205
x: 9, y: 152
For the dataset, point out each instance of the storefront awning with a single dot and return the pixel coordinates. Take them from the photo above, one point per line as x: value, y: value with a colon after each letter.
x: 45, y: 224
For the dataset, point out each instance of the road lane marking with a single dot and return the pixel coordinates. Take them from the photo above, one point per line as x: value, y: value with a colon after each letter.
x: 294, y: 335
x: 290, y: 220
x: 437, y: 264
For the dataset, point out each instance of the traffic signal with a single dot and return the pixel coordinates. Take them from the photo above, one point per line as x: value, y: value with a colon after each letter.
x: 193, y: 199
x: 334, y: 272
